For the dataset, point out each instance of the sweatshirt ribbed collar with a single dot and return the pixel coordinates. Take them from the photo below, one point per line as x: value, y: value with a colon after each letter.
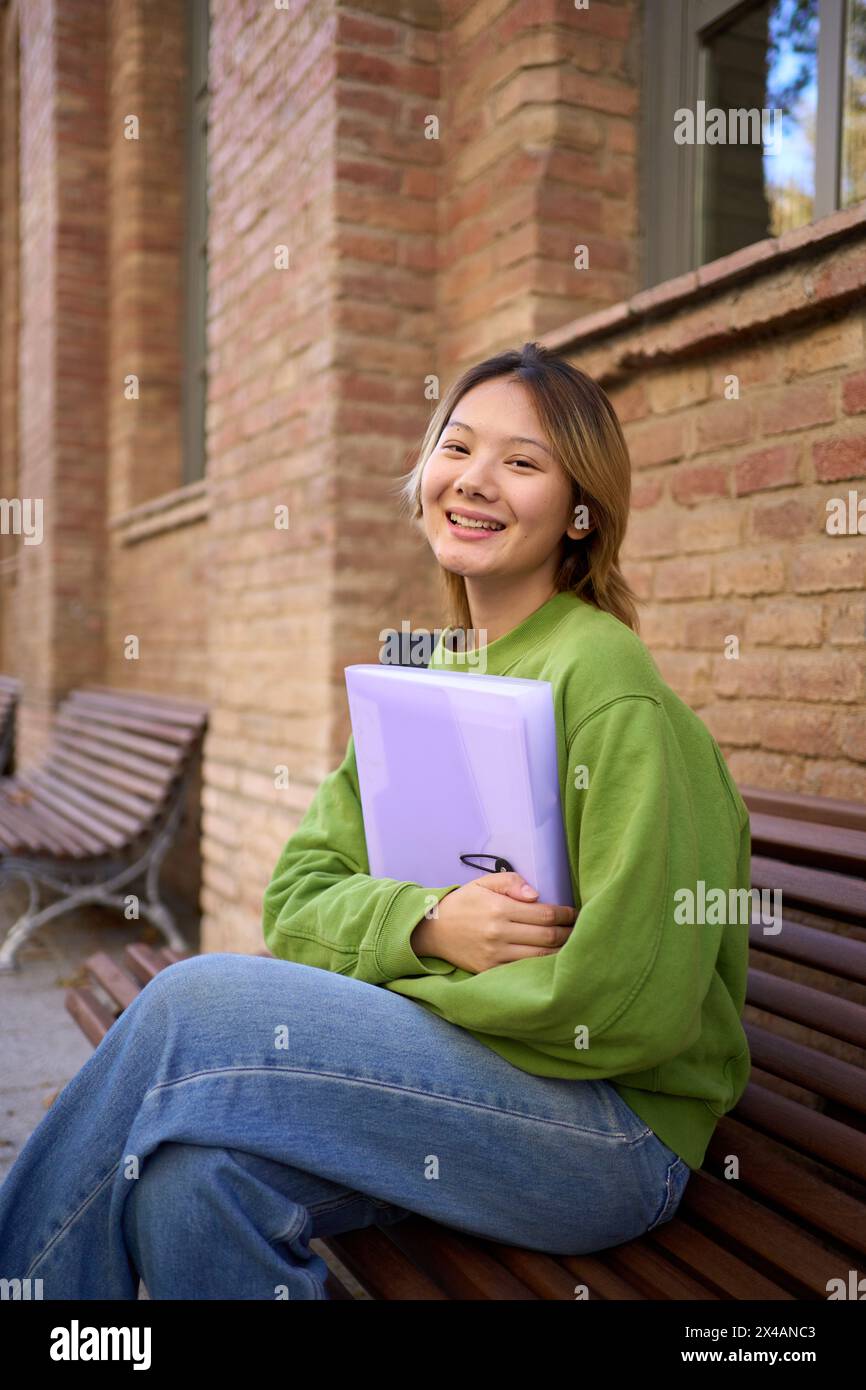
x: 497, y: 658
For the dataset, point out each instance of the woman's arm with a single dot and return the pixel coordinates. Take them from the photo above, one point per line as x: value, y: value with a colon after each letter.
x: 322, y: 908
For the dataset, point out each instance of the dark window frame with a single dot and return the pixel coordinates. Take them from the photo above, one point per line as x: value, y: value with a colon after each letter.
x: 674, y: 77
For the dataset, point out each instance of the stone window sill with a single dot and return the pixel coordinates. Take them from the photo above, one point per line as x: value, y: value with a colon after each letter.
x: 183, y: 507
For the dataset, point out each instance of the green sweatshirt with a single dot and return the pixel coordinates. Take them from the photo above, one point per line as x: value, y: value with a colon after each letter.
x: 644, y: 993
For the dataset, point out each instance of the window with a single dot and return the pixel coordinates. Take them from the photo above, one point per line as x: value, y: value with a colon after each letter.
x: 194, y: 386
x: 854, y: 107
x: 755, y: 123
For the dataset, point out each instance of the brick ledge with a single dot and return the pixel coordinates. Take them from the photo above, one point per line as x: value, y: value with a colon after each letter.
x: 183, y: 506
x: 685, y: 291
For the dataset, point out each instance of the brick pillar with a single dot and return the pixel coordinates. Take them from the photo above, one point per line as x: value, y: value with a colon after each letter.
x: 10, y: 544
x: 63, y: 297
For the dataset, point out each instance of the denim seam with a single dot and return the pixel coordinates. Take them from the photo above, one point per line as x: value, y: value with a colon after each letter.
x: 73, y: 1217
x: 669, y: 1195
x: 391, y: 1086
x: 328, y: 1204
x: 294, y: 1226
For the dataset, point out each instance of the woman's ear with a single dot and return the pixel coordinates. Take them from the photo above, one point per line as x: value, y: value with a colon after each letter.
x: 580, y: 524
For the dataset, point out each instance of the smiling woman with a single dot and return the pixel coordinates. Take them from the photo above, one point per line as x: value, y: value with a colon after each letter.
x: 558, y: 1070
x: 522, y: 486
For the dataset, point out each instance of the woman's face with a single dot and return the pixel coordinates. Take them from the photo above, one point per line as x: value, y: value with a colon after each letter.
x: 493, y: 459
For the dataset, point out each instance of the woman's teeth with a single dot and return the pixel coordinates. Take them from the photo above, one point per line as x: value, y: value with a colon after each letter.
x: 468, y: 521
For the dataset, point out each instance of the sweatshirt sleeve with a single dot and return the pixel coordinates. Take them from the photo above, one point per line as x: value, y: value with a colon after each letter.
x: 323, y: 908
x: 625, y: 991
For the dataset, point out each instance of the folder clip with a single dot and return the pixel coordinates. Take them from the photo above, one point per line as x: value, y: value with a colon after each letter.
x: 500, y: 865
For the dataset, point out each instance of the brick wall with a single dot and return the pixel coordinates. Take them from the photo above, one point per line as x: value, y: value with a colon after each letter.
x: 728, y: 532
x: 406, y: 258
x: 10, y: 100
x: 538, y: 138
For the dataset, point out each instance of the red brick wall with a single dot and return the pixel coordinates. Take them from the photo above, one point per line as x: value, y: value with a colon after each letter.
x: 407, y: 258
x: 539, y: 137
x: 728, y: 532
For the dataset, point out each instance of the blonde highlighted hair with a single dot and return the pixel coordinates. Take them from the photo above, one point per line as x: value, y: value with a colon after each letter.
x: 587, y: 440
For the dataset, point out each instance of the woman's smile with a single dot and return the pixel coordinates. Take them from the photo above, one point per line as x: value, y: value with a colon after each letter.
x: 472, y: 531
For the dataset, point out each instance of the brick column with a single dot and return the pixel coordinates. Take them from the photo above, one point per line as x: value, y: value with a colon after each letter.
x: 60, y: 597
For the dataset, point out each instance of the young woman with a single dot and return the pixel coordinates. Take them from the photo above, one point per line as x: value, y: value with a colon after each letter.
x: 536, y: 1074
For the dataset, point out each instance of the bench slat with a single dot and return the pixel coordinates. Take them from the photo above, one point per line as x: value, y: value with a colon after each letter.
x: 18, y: 834
x: 832, y: 845
x: 748, y: 1226
x: 769, y: 1168
x: 74, y: 839
x: 108, y: 818
x: 98, y: 718
x: 173, y: 707
x: 806, y: 1130
x: 824, y: 950
x: 807, y: 1067
x: 650, y: 1271
x: 840, y: 893
x: 90, y: 774
x: 840, y: 1018
x: 158, y: 776
x: 382, y: 1269
x: 148, y: 790
x: 601, y: 1281
x: 100, y: 838
x: 92, y: 1017
x: 168, y: 754
x: 120, y: 986
x: 726, y: 1272
x: 824, y: 810
x: 544, y: 1275
x: 145, y: 963
x: 456, y: 1261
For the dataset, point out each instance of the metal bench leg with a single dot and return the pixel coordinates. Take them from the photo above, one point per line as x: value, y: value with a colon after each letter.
x: 85, y: 895
x: 27, y: 923
x: 105, y: 894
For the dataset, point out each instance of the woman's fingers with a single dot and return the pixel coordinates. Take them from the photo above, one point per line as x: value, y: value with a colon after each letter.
x: 541, y: 914
x: 522, y: 934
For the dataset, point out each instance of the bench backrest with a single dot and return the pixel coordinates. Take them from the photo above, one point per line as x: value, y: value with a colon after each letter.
x: 114, y: 760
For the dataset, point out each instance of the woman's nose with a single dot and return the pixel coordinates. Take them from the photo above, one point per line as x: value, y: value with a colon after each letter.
x: 475, y: 475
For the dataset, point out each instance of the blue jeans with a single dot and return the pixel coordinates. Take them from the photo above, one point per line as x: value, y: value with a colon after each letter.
x: 242, y: 1106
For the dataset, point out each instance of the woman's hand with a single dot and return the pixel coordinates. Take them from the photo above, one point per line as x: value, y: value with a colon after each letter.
x: 491, y: 921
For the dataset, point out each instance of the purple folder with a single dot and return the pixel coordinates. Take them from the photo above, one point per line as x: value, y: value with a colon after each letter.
x: 456, y: 767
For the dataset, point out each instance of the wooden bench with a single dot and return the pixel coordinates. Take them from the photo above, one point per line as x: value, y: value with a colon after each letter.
x: 795, y: 1217
x: 101, y: 809
x: 10, y: 689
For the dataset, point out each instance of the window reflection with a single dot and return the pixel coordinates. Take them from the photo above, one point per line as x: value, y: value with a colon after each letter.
x: 854, y: 106
x: 767, y: 61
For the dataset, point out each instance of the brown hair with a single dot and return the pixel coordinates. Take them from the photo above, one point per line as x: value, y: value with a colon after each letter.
x: 588, y: 442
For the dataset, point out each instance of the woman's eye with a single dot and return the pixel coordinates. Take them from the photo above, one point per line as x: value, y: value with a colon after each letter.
x: 527, y: 462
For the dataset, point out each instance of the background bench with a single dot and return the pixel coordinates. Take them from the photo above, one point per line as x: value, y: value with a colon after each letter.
x: 796, y: 1216
x: 101, y: 809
